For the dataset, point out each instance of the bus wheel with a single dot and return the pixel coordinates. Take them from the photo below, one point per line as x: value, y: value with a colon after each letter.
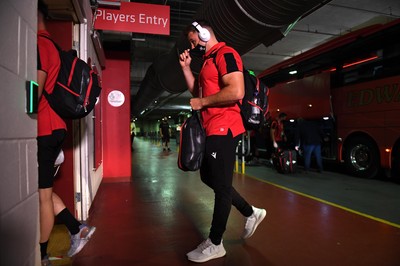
x: 362, y: 157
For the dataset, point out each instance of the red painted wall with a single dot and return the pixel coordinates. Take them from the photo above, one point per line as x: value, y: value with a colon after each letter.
x: 116, y: 120
x: 64, y: 182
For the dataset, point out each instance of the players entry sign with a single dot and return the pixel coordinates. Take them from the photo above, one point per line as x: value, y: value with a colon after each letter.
x: 135, y: 17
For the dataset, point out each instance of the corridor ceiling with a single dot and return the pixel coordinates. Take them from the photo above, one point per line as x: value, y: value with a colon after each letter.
x: 265, y: 39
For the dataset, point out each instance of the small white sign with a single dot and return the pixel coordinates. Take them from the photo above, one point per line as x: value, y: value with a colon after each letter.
x: 116, y: 98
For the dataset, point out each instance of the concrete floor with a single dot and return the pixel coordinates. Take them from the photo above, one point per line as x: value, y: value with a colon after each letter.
x: 315, y: 219
x: 375, y: 198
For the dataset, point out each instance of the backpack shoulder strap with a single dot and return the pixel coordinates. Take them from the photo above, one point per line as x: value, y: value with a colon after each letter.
x: 213, y: 55
x: 44, y: 92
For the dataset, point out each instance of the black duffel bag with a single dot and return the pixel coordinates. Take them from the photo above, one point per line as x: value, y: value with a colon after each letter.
x: 191, y: 144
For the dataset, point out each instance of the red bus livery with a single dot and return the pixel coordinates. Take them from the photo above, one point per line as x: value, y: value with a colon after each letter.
x: 352, y: 85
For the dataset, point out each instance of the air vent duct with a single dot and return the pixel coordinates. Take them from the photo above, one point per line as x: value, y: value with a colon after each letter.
x: 242, y: 24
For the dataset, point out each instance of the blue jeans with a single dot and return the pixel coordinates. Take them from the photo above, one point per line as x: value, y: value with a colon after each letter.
x: 308, y: 151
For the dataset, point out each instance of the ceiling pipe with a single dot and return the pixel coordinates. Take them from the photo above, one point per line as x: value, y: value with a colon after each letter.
x: 242, y: 24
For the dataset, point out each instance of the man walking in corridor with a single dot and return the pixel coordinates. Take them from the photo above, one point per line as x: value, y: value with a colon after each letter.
x: 219, y: 87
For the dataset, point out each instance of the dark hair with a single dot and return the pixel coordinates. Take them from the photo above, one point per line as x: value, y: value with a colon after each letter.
x: 42, y: 7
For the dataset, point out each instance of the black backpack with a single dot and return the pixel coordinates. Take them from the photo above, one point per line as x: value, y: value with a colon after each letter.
x: 254, y: 105
x: 77, y: 87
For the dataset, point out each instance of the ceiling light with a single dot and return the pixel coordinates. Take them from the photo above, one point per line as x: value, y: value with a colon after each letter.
x: 293, y: 72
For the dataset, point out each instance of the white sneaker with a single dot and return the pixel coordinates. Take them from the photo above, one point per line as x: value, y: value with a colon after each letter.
x: 79, y: 240
x: 206, y: 251
x: 253, y: 221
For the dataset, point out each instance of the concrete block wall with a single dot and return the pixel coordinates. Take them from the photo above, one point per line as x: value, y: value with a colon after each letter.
x: 19, y: 203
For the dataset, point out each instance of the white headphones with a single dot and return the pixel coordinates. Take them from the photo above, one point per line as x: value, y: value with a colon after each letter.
x: 204, y: 34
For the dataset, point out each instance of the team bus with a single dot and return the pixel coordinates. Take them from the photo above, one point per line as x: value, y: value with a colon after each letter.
x: 351, y: 84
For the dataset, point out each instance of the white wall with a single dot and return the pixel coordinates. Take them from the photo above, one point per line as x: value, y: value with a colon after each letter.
x: 19, y: 203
